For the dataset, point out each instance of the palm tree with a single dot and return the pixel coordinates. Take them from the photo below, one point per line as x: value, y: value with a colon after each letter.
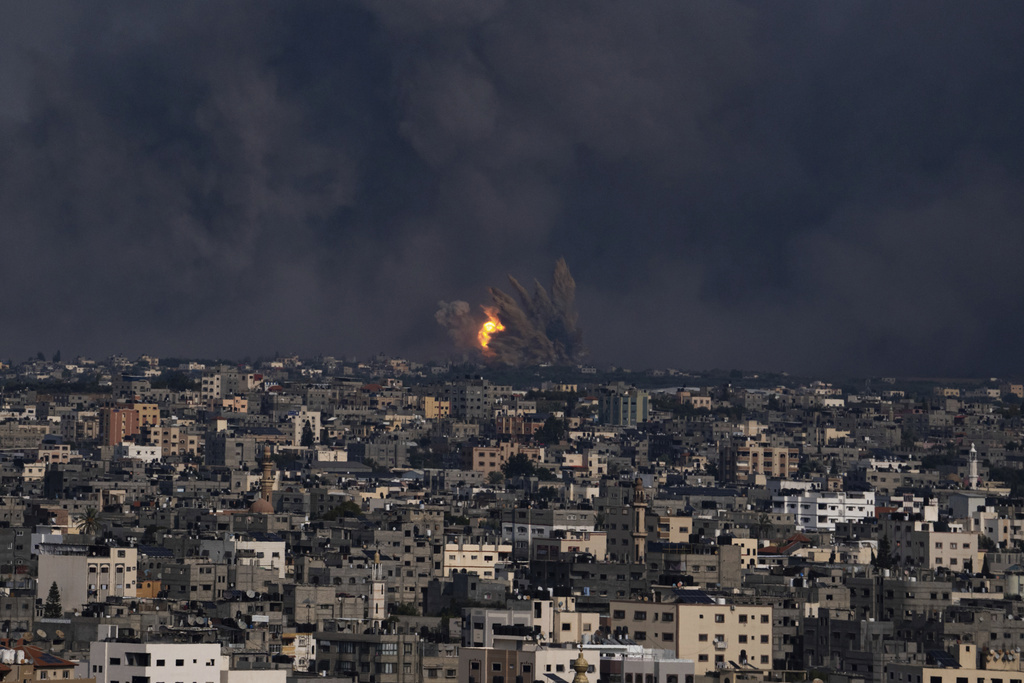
x: 764, y: 526
x: 88, y: 522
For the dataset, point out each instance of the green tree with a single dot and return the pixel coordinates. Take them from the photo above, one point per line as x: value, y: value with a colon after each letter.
x: 56, y: 356
x: 349, y: 508
x: 885, y: 559
x: 495, y: 478
x: 405, y: 609
x: 764, y: 526
x: 53, y: 609
x: 89, y: 522
x: 519, y: 465
x: 307, y: 435
x: 553, y: 431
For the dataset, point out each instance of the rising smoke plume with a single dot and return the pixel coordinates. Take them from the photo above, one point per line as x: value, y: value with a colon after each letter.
x: 537, y: 328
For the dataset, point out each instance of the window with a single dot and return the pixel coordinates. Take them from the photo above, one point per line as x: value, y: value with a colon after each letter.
x: 115, y: 661
x: 764, y: 618
x: 179, y: 662
x: 764, y: 659
x: 702, y: 658
x: 742, y: 637
x: 640, y: 615
x: 667, y: 616
x: 719, y: 618
x: 743, y: 618
x: 640, y: 635
x: 703, y: 638
x: 668, y: 636
x: 160, y: 662
x: 619, y: 614
x: 764, y: 639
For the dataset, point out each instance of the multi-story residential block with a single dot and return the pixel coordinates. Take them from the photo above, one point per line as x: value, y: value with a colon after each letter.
x: 918, y: 544
x: 117, y: 424
x: 707, y: 631
x: 623, y: 406
x: 480, y: 558
x: 86, y: 573
x: 822, y: 510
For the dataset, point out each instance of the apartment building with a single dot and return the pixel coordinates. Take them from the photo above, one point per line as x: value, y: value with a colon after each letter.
x: 86, y: 573
x: 702, y: 629
x: 123, y: 662
x: 480, y: 558
x: 816, y: 511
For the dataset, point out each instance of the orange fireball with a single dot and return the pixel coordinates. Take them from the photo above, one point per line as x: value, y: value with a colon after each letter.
x: 488, y: 329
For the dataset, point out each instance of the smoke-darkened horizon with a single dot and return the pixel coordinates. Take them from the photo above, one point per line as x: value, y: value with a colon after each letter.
x: 808, y: 187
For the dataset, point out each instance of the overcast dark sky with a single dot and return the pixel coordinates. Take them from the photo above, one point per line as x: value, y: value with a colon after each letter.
x: 803, y: 186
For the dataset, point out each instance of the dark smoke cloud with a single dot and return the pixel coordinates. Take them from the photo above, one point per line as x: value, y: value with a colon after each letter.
x: 806, y: 186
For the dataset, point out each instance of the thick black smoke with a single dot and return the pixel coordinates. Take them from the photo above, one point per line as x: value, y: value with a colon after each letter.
x: 801, y: 186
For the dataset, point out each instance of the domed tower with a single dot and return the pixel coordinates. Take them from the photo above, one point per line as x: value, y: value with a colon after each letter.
x: 580, y: 666
x: 264, y: 505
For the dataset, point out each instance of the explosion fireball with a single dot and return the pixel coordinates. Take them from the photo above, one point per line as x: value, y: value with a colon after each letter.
x: 538, y: 328
x: 492, y: 325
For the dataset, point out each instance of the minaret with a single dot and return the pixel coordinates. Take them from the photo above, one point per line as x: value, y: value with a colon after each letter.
x: 377, y: 610
x: 267, y: 482
x: 639, y: 522
x: 264, y: 505
x: 972, y: 472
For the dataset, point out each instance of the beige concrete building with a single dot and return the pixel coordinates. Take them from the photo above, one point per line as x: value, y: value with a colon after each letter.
x: 489, y: 459
x: 709, y: 634
x: 175, y: 438
x: 565, y: 545
x: 149, y: 413
x: 664, y: 527
x: 86, y: 573
x: 918, y: 544
x: 479, y: 558
x: 436, y: 408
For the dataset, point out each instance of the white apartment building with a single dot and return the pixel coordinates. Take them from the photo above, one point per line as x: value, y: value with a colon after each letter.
x: 260, y: 549
x: 121, y: 662
x: 137, y: 452
x: 115, y: 662
x: 821, y: 510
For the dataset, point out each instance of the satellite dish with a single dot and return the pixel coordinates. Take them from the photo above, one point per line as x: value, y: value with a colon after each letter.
x: 250, y: 594
x: 200, y: 620
x: 60, y: 634
x: 26, y: 636
x: 191, y: 620
x: 41, y: 633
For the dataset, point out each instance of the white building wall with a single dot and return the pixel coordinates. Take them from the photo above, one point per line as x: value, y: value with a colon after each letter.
x: 114, y: 662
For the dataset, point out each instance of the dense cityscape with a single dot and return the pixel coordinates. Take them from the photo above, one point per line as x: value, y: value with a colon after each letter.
x: 493, y: 341
x: 394, y: 522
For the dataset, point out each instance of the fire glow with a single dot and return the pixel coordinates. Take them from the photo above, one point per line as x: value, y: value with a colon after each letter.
x: 488, y: 329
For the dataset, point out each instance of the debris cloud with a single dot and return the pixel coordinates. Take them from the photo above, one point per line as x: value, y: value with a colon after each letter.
x: 525, y: 329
